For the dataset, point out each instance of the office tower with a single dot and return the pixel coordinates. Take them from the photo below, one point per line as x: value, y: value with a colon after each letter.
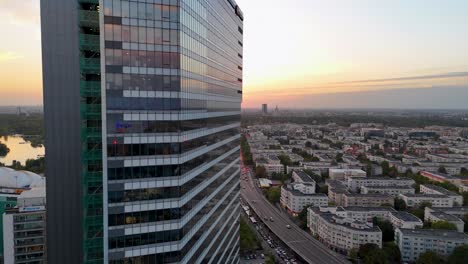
x: 142, y: 110
x: 24, y: 233
x: 264, y: 109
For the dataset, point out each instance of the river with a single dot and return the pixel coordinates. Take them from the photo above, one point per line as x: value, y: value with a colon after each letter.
x: 20, y: 150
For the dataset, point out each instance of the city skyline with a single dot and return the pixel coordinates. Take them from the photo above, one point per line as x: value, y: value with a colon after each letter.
x: 328, y: 50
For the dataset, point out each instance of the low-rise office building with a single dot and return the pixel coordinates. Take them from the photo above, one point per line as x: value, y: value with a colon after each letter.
x: 393, y: 190
x: 297, y: 196
x: 336, y: 190
x: 414, y: 242
x: 367, y: 214
x: 24, y: 228
x: 439, y: 214
x: 344, y: 174
x: 355, y: 183
x: 370, y: 200
x: 270, y: 167
x: 434, y: 189
x: 342, y: 234
x: 404, y: 220
x: 436, y: 200
x: 300, y: 176
x: 458, y: 211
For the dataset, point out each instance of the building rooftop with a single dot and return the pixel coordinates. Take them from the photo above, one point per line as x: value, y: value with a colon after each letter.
x: 440, y: 189
x: 304, y: 176
x: 397, y: 187
x: 430, y: 233
x: 295, y: 192
x: 10, y: 178
x: 405, y: 216
x: 383, y: 178
x: 423, y: 195
x: 367, y: 209
x: 455, y: 209
x: 446, y: 217
x: 376, y: 195
x: 349, y: 223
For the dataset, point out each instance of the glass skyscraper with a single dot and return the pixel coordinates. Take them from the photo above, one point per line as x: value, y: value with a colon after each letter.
x: 142, y: 109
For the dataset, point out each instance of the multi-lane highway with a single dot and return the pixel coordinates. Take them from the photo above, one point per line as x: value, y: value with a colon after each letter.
x: 302, y: 243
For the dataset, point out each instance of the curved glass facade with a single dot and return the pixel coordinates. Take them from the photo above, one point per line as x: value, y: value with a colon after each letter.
x: 172, y: 96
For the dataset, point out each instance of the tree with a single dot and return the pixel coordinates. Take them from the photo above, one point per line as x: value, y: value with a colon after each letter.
x: 274, y: 195
x: 459, y: 255
x: 270, y: 259
x: 303, y: 217
x: 465, y: 198
x: 308, y: 144
x: 392, y: 253
x: 285, y: 160
x: 371, y: 254
x: 442, y: 169
x: 444, y: 225
x: 400, y: 204
x: 465, y: 219
x: 339, y: 158
x: 386, y: 227
x: 385, y: 167
x: 261, y: 172
x: 464, y: 172
x: 430, y: 257
x: 248, y: 239
x: 3, y: 150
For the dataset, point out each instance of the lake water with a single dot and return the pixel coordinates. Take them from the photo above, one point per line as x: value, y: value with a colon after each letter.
x: 19, y: 150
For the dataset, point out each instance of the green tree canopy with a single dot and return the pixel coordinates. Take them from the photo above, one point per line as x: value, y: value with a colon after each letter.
x: 388, y: 233
x: 274, y: 195
x: 444, y: 225
x: 459, y: 255
x: 400, y: 204
x: 430, y: 257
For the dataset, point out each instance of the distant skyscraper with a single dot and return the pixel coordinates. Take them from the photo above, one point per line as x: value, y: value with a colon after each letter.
x: 142, y: 109
x: 264, y: 109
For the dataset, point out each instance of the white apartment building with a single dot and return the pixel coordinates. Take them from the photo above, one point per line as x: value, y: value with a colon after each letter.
x: 404, y: 220
x: 390, y: 190
x: 342, y: 234
x: 370, y: 200
x: 24, y: 228
x: 434, y: 189
x: 436, y: 200
x: 440, y: 214
x: 344, y: 174
x: 270, y: 167
x: 414, y: 242
x: 367, y: 214
x: 301, y: 176
x: 355, y: 183
x: 297, y: 196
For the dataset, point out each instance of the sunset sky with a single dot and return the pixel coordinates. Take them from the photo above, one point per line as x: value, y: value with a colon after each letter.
x: 304, y: 53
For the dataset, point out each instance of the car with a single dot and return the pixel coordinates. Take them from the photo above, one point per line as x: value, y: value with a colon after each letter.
x: 271, y: 219
x: 288, y: 226
x: 262, y: 256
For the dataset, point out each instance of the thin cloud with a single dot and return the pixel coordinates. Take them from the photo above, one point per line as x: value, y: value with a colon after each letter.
x: 417, y: 81
x: 9, y: 56
x: 411, y: 78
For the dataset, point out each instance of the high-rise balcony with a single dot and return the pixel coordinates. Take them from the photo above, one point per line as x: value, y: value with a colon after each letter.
x: 88, y: 18
x: 90, y: 42
x: 90, y: 88
x: 89, y: 2
x: 90, y: 65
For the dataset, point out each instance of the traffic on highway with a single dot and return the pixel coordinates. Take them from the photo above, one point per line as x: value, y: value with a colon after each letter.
x: 304, y: 246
